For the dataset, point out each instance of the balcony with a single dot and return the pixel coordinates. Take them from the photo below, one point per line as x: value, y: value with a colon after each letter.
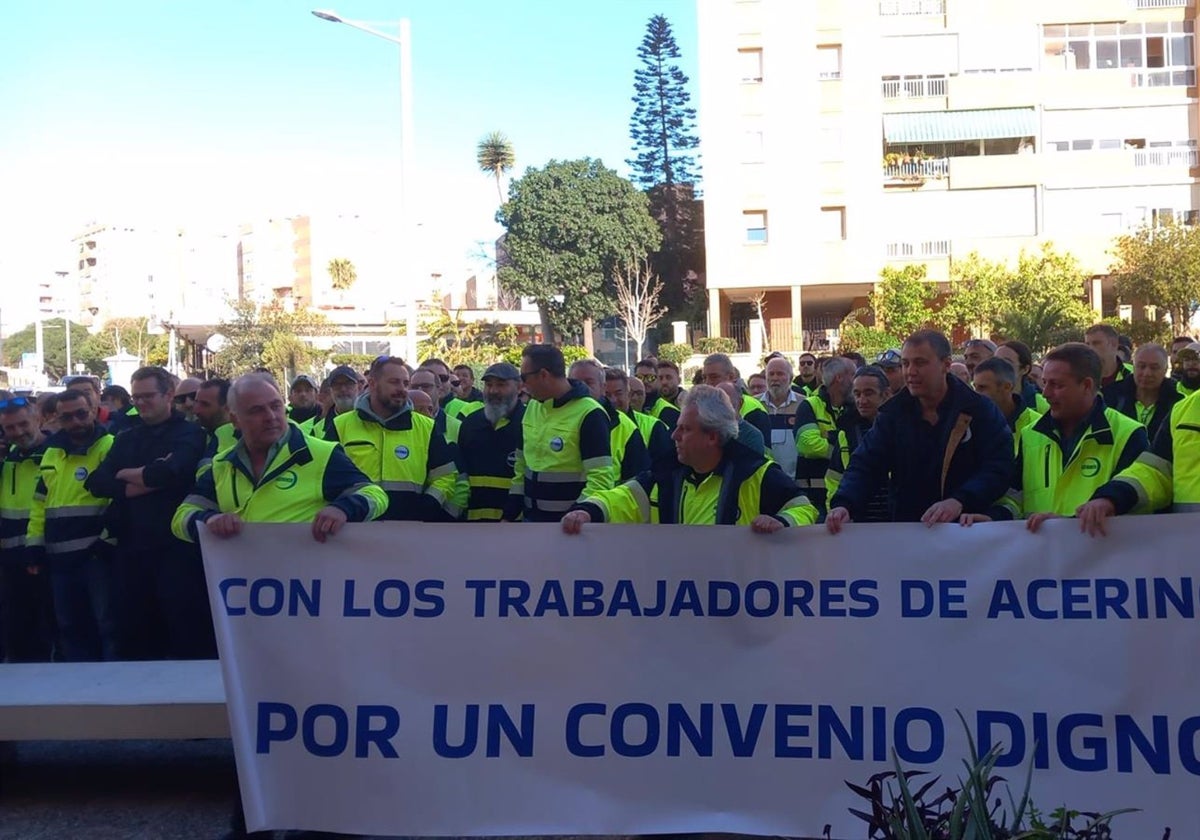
x: 1161, y: 4
x: 915, y: 87
x: 898, y: 170
x: 928, y: 250
x: 911, y: 8
x: 1165, y: 157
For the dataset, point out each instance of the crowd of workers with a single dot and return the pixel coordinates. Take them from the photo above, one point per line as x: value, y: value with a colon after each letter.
x: 103, y: 491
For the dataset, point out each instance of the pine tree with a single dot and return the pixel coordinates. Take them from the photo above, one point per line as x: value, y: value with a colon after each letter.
x: 663, y: 124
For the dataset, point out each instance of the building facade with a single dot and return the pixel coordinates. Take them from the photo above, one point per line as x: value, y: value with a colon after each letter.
x: 843, y: 136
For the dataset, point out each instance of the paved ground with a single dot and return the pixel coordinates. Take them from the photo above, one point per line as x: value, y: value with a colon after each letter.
x: 105, y: 790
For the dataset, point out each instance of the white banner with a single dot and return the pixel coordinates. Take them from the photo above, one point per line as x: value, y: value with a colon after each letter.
x: 455, y: 680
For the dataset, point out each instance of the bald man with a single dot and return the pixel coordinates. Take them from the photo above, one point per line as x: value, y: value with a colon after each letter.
x: 185, y: 398
x: 422, y: 403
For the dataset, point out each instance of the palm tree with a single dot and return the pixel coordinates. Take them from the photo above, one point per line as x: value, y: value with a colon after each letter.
x: 342, y: 274
x: 496, y: 157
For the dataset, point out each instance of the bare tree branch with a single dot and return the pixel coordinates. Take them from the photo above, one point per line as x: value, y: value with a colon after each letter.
x: 638, y: 293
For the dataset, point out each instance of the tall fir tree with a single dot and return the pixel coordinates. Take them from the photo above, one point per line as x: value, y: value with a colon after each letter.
x: 663, y: 124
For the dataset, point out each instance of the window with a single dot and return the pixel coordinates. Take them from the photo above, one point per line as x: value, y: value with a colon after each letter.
x: 833, y: 224
x: 829, y: 61
x: 756, y: 226
x: 750, y: 65
x: 1155, y: 54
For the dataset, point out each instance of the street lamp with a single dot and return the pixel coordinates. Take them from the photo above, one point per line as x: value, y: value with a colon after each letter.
x: 408, y: 273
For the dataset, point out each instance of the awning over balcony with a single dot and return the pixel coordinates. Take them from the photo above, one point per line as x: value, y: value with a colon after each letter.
x: 953, y: 126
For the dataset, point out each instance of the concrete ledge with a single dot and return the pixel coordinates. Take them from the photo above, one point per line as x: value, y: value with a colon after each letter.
x: 112, y: 700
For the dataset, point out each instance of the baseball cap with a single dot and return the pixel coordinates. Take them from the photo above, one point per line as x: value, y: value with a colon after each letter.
x: 502, y: 370
x: 888, y: 358
x: 304, y: 377
x: 340, y: 371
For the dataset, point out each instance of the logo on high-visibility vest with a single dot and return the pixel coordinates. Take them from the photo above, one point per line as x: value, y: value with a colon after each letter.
x: 401, y: 452
x: 1090, y: 467
x: 81, y: 473
x: 556, y: 444
x: 287, y: 480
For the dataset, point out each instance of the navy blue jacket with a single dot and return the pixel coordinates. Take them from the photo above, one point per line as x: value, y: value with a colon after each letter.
x: 903, y: 448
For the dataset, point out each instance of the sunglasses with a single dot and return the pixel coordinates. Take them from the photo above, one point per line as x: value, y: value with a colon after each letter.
x: 77, y: 414
x: 807, y: 363
x: 648, y: 377
x: 180, y: 399
x: 14, y: 402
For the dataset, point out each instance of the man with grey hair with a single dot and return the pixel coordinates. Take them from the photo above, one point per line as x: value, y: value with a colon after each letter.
x: 975, y: 351
x: 487, y: 452
x: 718, y: 482
x: 817, y: 421
x: 782, y: 403
x: 719, y: 368
x: 747, y: 435
x: 1148, y: 396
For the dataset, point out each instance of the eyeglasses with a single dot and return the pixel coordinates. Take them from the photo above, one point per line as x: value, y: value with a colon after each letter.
x: 648, y: 377
x: 807, y: 362
x: 77, y: 414
x: 889, y: 357
x: 526, y: 374
x: 14, y: 402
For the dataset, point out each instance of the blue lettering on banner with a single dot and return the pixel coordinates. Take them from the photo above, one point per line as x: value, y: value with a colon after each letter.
x: 373, y: 726
x: 586, y: 598
x: 270, y: 596
x: 1082, y: 742
x: 1049, y: 599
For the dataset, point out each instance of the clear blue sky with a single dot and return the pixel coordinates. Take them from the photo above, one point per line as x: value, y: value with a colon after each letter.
x: 220, y: 110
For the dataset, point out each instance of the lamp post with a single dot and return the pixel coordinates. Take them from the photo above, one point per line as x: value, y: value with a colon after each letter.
x: 408, y: 271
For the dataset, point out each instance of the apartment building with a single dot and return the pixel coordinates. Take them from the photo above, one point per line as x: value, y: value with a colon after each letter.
x: 843, y: 136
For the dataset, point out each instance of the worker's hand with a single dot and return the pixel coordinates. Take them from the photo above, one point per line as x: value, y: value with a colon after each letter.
x: 1092, y: 515
x: 132, y: 475
x: 1033, y: 523
x: 132, y: 491
x: 969, y: 519
x: 329, y: 521
x: 224, y: 525
x: 947, y: 510
x: 764, y: 524
x: 574, y: 521
x: 836, y: 518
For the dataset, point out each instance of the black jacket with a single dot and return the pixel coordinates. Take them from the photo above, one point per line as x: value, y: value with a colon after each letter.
x: 170, y: 452
x: 1122, y: 395
x: 906, y: 448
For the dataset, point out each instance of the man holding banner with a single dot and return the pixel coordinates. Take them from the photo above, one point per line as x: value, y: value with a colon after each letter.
x: 276, y: 474
x: 720, y: 483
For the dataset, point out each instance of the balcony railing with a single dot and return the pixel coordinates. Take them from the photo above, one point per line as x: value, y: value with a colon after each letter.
x: 1167, y: 77
x: 1166, y: 157
x: 930, y: 249
x: 895, y: 8
x: 917, y: 170
x: 914, y: 88
x: 1160, y: 4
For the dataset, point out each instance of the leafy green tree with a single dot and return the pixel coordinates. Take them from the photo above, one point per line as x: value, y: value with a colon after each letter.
x: 270, y: 337
x: 496, y: 157
x: 1160, y: 265
x: 902, y: 298
x: 568, y: 226
x: 978, y: 296
x: 54, y: 347
x: 459, y: 342
x: 663, y: 125
x: 855, y: 335
x: 342, y: 274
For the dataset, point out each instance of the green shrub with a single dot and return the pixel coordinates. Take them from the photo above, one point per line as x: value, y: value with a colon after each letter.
x: 716, y: 344
x: 677, y: 353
